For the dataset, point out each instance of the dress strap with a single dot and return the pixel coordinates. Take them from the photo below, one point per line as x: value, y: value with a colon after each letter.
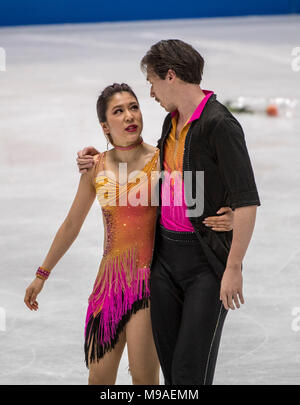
x: 152, y: 162
x: 103, y: 159
x: 98, y: 167
x: 100, y: 162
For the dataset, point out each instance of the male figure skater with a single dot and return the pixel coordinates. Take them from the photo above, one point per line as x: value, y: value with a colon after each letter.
x: 196, y: 273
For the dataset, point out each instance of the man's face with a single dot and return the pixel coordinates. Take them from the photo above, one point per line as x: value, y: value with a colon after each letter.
x: 161, y: 90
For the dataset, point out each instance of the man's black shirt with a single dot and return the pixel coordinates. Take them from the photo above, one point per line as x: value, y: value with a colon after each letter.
x: 215, y: 144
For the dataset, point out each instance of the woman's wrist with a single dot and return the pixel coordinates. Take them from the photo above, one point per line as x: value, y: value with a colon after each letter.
x: 42, y: 273
x: 39, y: 280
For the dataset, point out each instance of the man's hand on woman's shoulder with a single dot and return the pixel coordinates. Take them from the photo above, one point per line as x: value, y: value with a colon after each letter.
x: 85, y: 159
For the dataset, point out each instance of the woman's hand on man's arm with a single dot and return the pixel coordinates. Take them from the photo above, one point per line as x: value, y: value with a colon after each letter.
x: 221, y: 223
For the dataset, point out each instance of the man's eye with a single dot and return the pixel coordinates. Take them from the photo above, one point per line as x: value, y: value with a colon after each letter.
x: 119, y: 109
x: 135, y: 107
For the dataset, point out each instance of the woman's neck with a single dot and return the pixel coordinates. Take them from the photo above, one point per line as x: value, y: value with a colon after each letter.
x: 127, y: 155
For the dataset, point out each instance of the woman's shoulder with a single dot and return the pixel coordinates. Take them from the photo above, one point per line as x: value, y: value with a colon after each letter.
x: 152, y: 158
x: 151, y: 149
x: 152, y: 155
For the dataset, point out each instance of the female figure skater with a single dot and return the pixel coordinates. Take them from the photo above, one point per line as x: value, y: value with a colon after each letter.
x: 118, y: 308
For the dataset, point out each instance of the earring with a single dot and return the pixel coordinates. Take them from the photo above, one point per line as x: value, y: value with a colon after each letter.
x: 107, y: 142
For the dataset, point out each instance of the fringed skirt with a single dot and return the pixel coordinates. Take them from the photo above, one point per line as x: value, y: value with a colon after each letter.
x: 120, y: 290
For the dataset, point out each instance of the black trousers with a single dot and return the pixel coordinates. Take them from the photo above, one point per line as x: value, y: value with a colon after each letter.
x: 186, y: 312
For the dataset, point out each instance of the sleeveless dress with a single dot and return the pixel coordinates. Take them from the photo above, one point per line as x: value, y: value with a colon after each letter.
x: 121, y: 287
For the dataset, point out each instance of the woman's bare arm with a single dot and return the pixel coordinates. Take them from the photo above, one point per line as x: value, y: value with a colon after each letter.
x: 66, y: 234
x: 72, y: 224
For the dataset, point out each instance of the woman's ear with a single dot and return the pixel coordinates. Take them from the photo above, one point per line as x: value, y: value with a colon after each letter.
x: 105, y: 128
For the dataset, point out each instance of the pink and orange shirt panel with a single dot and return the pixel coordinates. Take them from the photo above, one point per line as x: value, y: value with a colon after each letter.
x: 173, y: 210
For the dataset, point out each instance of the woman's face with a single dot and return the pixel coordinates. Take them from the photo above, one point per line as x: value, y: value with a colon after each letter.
x: 124, y: 121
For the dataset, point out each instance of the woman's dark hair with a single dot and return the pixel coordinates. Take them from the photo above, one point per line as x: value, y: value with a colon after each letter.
x: 107, y: 94
x: 177, y: 55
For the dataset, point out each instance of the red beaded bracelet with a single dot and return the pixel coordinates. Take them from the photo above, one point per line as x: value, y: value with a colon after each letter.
x: 42, y: 273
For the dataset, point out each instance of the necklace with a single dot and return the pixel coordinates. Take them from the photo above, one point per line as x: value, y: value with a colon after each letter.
x: 134, y: 145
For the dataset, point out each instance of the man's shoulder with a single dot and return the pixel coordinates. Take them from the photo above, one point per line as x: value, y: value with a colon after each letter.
x: 217, y: 111
x: 218, y: 115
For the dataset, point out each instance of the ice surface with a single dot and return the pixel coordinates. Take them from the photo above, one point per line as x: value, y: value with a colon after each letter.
x: 48, y: 94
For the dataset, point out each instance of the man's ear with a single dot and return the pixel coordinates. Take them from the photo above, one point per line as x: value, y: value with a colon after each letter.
x: 171, y: 75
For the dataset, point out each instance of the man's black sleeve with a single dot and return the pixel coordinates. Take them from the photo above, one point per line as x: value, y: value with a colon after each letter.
x: 234, y: 163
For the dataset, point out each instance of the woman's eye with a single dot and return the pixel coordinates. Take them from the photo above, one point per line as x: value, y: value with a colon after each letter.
x: 135, y: 107
x: 119, y: 109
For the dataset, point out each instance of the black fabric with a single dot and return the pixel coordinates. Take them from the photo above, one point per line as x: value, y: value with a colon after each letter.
x: 186, y: 312
x: 215, y: 144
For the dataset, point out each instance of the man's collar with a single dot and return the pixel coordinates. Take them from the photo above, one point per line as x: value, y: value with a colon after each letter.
x: 196, y: 114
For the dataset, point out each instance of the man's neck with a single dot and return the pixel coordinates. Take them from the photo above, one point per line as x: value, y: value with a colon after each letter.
x: 189, y: 99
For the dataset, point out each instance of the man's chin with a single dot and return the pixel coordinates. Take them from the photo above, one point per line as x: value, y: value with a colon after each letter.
x: 166, y: 108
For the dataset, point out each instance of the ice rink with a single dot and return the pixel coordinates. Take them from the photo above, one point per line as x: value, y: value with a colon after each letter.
x: 48, y: 94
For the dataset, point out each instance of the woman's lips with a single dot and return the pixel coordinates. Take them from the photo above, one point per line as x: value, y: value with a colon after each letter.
x: 131, y: 128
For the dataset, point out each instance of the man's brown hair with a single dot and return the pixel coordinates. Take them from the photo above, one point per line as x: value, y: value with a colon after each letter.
x: 177, y: 55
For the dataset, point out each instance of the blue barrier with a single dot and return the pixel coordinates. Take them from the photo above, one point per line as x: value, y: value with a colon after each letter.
x: 24, y: 12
